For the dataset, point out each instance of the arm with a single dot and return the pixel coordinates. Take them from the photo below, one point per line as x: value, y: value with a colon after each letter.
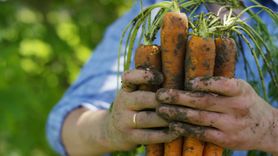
x: 75, y: 137
x: 88, y: 132
x: 234, y: 116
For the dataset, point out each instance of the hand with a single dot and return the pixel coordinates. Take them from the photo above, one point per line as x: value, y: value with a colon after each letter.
x: 124, y: 134
x: 226, y: 112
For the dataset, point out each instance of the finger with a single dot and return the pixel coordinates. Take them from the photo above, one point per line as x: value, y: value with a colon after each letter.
x: 202, y: 101
x: 202, y: 133
x: 148, y: 119
x: 196, y: 117
x: 140, y: 76
x: 219, y: 85
x: 141, y: 100
x: 148, y: 136
x: 129, y: 87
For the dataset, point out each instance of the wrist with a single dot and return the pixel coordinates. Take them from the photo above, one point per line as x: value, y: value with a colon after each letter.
x: 116, y: 137
x: 92, y: 131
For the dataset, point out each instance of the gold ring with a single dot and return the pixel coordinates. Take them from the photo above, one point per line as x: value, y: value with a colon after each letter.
x: 134, y: 120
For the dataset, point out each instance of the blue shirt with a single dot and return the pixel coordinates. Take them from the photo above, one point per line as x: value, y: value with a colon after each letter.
x: 96, y: 86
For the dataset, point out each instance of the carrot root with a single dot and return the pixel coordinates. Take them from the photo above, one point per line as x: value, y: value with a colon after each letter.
x: 173, y: 42
x: 155, y: 150
x: 174, y: 148
x: 199, y: 62
x: 149, y: 57
x: 213, y: 150
x: 225, y: 62
x: 200, y: 58
x: 192, y: 147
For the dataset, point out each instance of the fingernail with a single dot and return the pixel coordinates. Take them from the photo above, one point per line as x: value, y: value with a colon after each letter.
x: 176, y: 127
x: 163, y: 95
x: 162, y: 111
x: 157, y: 78
x: 187, y: 129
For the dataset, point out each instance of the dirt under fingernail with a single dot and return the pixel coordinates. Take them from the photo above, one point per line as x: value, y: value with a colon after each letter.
x: 163, y: 113
x: 157, y: 78
x: 188, y: 130
x: 167, y: 95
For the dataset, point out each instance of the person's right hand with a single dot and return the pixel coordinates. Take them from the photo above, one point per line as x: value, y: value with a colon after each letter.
x: 133, y: 119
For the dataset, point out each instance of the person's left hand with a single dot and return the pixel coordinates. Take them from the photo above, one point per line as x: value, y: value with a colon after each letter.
x: 226, y: 112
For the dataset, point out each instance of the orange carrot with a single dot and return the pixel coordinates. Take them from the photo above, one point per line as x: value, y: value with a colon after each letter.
x: 224, y: 66
x: 213, y: 150
x: 173, y: 42
x: 155, y: 150
x: 225, y: 61
x: 149, y: 57
x: 200, y: 58
x: 199, y: 62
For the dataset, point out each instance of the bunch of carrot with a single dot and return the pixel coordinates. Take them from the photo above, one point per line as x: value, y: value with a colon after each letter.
x: 200, y: 47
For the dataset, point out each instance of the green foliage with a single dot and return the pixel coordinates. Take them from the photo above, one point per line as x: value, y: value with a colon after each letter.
x: 43, y: 46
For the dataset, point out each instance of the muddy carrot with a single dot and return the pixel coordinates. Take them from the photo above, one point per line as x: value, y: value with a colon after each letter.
x: 173, y: 42
x: 149, y: 57
x: 225, y: 62
x: 199, y: 62
x: 155, y: 150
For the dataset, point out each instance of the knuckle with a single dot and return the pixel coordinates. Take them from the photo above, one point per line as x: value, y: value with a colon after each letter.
x: 241, y: 107
x: 245, y: 106
x: 230, y: 85
x: 202, y: 115
x: 167, y: 95
x: 242, y: 86
x: 212, y: 119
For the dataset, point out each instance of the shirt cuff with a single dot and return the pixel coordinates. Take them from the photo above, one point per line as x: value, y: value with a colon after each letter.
x: 58, y: 116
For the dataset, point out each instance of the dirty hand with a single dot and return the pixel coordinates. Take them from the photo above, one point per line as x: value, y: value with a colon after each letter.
x: 133, y: 113
x: 226, y: 112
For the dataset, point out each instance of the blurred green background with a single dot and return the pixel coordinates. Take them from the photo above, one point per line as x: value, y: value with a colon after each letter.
x: 43, y: 44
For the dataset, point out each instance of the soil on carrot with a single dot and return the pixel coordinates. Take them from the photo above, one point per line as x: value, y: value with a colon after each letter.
x: 181, y: 41
x: 148, y: 56
x: 225, y: 60
x: 199, y: 58
x: 221, y: 57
